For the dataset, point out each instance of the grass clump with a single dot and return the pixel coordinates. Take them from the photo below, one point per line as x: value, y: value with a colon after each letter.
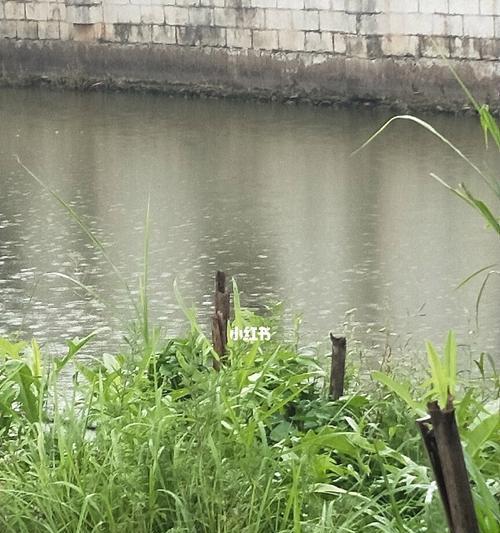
x: 156, y: 441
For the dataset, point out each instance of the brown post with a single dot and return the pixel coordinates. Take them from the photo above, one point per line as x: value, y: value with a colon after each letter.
x: 337, y: 372
x: 425, y: 426
x: 220, y: 317
x: 447, y: 460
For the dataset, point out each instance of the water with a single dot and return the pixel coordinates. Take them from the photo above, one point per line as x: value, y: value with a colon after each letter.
x: 268, y: 193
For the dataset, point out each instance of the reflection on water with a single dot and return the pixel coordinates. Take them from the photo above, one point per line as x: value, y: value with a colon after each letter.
x: 267, y: 193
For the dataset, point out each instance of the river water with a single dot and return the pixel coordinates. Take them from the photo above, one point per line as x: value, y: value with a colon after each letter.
x: 369, y: 244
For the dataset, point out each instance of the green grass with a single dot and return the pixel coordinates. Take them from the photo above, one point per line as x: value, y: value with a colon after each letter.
x: 155, y: 440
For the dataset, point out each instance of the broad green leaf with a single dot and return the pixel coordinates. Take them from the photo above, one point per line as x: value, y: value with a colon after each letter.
x: 401, y: 390
x: 478, y: 436
x: 281, y: 431
x: 11, y: 350
x: 327, y: 488
x: 110, y: 363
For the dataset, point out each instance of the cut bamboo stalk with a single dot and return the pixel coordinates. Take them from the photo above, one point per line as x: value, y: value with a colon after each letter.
x: 444, y: 448
x: 220, y: 318
x: 337, y: 371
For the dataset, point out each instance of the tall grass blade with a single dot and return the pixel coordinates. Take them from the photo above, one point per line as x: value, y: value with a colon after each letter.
x: 450, y: 361
x: 439, y: 375
x: 74, y: 215
x: 473, y: 275
x: 434, y: 132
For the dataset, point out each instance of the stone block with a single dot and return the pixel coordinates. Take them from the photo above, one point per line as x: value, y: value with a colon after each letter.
x: 339, y: 43
x: 278, y: 19
x: 129, y: 14
x: 29, y: 11
x: 251, y: 18
x: 110, y: 13
x: 265, y: 39
x: 360, y: 6
x: 48, y: 30
x: 239, y: 38
x: 465, y: 48
x: 65, y: 30
x: 400, y: 45
x: 318, y: 41
x: 107, y: 33
x: 305, y: 20
x: 490, y: 49
x: 121, y: 32
x: 201, y: 36
x: 41, y: 10
x: 140, y: 33
x: 201, y: 16
x: 432, y: 46
x: 479, y: 26
x: 497, y: 27
x: 433, y: 6
x: 84, y: 32
x: 187, y: 35
x: 186, y: 3
x: 213, y: 3
x: 211, y: 36
x: 263, y: 3
x: 317, y: 4
x: 237, y: 4
x: 27, y: 29
x: 82, y: 2
x: 14, y: 10
x: 374, y: 46
x: 337, y: 21
x: 8, y: 29
x: 225, y: 17
x: 176, y: 15
x: 396, y: 24
x: 356, y: 45
x: 401, y: 6
x: 447, y: 25
x: 291, y: 40
x: 290, y: 4
x: 57, y: 11
x: 489, y: 7
x: 416, y: 24
x: 463, y: 7
x: 85, y: 14
x: 152, y: 15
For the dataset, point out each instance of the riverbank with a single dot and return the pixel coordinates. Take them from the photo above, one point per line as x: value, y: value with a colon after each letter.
x: 374, y: 53
x: 401, y: 84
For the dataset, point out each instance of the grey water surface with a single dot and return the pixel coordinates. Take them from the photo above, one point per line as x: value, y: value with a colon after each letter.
x: 269, y: 193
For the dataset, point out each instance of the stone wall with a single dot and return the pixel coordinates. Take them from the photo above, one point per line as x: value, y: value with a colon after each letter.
x: 317, y: 49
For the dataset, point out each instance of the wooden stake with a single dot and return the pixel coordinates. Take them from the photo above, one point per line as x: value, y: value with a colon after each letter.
x: 220, y: 317
x: 337, y: 372
x: 429, y: 439
x: 447, y: 459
